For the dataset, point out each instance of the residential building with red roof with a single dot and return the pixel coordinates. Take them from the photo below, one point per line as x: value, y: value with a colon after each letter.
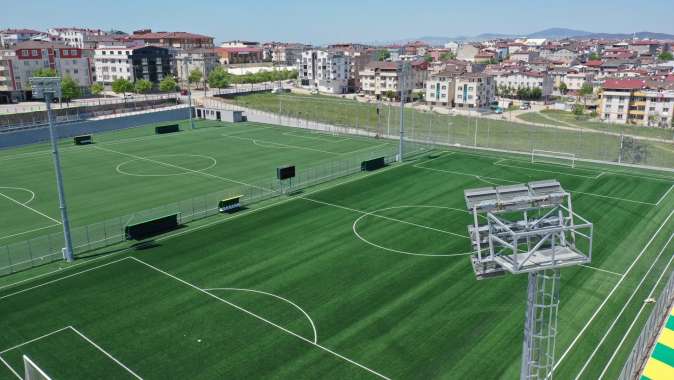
x: 239, y: 55
x: 182, y: 40
x: 638, y: 102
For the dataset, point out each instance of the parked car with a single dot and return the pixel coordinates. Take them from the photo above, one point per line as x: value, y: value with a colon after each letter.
x: 525, y: 106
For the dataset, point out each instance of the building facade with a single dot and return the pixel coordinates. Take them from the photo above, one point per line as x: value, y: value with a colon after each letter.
x: 530, y: 80
x: 131, y: 62
x: 182, y: 40
x: 631, y: 101
x: 239, y: 55
x: 324, y: 71
x: 440, y: 88
x: 186, y: 61
x: 474, y: 91
x: 76, y: 37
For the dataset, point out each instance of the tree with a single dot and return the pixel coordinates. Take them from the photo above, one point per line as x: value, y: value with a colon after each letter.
x: 97, y: 88
x: 446, y: 56
x: 70, y: 89
x: 578, y: 109
x: 594, y: 57
x: 122, y: 86
x: 383, y: 55
x: 666, y: 56
x: 195, y: 76
x: 428, y: 58
x: 45, y: 73
x: 585, y: 91
x: 563, y: 88
x: 143, y: 86
x: 168, y: 84
x: 536, y: 93
x: 219, y: 78
x: 390, y: 94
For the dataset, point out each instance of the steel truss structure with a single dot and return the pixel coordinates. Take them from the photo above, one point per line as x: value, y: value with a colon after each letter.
x: 529, y: 228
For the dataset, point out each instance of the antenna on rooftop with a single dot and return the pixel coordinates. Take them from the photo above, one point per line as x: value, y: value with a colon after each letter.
x: 529, y: 229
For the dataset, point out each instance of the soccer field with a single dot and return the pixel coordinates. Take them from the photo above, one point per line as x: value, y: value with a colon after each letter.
x: 132, y: 170
x: 367, y: 278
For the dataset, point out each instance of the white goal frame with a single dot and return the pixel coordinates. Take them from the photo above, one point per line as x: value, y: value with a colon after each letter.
x: 32, y: 371
x: 559, y: 156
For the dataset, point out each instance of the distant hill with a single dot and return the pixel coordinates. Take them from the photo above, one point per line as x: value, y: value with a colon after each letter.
x: 551, y: 34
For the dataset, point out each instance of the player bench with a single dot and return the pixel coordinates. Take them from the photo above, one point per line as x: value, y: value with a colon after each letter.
x: 151, y: 227
x: 83, y: 140
x: 373, y: 164
x: 171, y: 128
x: 230, y: 204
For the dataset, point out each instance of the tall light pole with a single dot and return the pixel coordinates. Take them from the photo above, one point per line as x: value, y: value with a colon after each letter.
x: 48, y: 88
x: 401, y: 82
x: 189, y: 91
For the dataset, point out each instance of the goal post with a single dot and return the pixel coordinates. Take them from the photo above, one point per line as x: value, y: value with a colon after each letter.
x: 552, y: 157
x: 32, y: 371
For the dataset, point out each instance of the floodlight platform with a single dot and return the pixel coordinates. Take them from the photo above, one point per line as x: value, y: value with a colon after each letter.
x: 529, y: 228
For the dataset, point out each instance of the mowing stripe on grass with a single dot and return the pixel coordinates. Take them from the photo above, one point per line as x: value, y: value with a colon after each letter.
x: 634, y: 321
x: 664, y: 195
x: 259, y: 317
x: 615, y: 287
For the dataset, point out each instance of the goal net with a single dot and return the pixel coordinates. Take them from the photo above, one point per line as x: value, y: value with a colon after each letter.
x: 32, y: 371
x: 551, y: 157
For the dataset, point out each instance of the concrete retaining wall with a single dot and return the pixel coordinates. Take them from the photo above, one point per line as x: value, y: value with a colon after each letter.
x: 31, y: 136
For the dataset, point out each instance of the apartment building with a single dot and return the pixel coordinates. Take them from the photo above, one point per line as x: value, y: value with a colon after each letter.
x: 239, y: 55
x: 526, y: 79
x: 467, y: 52
x: 559, y: 55
x: 575, y: 81
x: 378, y: 78
x: 287, y: 54
x: 11, y: 37
x: 324, y: 71
x: 77, y: 37
x: 632, y: 101
x: 20, y: 62
x: 131, y: 61
x: 474, y: 91
x: 182, y: 40
x: 440, y: 88
x: 202, y: 59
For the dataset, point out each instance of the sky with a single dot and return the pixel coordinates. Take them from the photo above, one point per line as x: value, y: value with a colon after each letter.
x: 321, y: 21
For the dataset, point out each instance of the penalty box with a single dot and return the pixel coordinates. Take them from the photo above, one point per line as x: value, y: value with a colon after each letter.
x: 64, y: 353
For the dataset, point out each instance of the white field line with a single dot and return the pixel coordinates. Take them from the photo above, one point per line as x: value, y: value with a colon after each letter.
x: 30, y: 208
x: 105, y: 353
x: 506, y: 180
x: 548, y: 171
x: 179, y: 233
x: 76, y: 332
x: 281, y: 145
x: 34, y: 340
x: 32, y: 193
x: 61, y: 278
x: 179, y: 167
x: 324, y: 139
x: 636, y: 317
x: 664, y: 195
x: 372, y: 213
x: 615, y: 287
x: 259, y: 318
x: 601, y: 270
x: 622, y: 310
x: 11, y: 369
x: 604, y: 170
x: 291, y: 303
x: 29, y: 231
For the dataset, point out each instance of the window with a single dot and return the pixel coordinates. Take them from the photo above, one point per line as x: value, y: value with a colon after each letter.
x: 33, y: 52
x: 76, y: 71
x: 620, y: 116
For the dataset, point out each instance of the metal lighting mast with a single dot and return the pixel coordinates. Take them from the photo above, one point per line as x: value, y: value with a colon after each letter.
x: 48, y: 88
x: 189, y: 91
x: 402, y: 70
x: 529, y: 229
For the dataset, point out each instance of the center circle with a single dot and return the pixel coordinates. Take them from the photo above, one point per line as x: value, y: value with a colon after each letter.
x: 456, y: 236
x: 165, y: 165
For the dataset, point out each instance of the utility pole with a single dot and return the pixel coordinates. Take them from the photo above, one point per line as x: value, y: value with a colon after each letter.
x: 50, y: 88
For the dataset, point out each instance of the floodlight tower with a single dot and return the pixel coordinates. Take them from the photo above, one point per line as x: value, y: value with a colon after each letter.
x: 529, y: 229
x: 48, y: 88
x: 403, y: 68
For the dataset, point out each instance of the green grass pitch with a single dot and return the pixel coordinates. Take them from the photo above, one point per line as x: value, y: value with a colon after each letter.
x: 367, y: 277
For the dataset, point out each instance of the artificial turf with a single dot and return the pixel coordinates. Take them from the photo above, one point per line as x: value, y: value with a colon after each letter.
x: 377, y: 264
x: 587, y: 141
x: 132, y: 170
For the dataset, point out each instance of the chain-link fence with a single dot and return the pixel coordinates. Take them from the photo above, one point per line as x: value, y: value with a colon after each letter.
x: 646, y: 340
x: 48, y: 248
x: 484, y: 131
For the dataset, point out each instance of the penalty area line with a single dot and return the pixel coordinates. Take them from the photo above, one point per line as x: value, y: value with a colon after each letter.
x: 309, y: 341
